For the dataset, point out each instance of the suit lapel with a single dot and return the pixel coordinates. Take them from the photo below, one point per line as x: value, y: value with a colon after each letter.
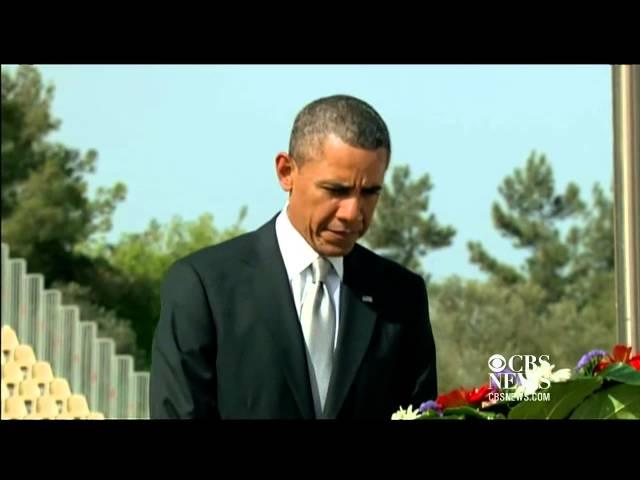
x: 275, y: 304
x: 357, y: 321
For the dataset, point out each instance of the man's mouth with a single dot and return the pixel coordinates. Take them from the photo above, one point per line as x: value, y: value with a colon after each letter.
x: 341, y: 233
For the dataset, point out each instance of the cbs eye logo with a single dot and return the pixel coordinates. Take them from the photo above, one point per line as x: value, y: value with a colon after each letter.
x: 516, y: 363
x: 497, y: 363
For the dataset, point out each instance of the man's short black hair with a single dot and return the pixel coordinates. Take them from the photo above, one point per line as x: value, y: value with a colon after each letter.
x: 352, y: 120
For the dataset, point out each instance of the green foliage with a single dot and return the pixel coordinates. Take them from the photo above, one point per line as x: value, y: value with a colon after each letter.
x: 559, y: 303
x: 402, y: 229
x: 623, y: 373
x: 149, y: 254
x: 109, y: 324
x: 563, y: 399
x: 473, y: 320
x: 142, y: 260
x: 613, y: 393
x: 619, y: 402
x: 531, y: 218
x: 46, y: 210
x: 26, y: 120
x: 49, y: 219
x: 592, y: 279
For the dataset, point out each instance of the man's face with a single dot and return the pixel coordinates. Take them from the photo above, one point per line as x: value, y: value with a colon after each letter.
x: 333, y: 195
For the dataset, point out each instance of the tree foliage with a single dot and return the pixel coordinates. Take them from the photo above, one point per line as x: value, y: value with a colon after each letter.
x: 403, y: 229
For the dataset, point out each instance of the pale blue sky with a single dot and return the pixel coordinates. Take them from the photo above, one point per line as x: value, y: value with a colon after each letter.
x: 191, y: 139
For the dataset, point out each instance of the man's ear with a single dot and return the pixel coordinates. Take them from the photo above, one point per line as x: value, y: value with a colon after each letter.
x: 285, y: 168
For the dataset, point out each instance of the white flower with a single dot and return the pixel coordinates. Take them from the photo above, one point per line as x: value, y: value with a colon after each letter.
x: 561, y: 375
x: 408, y: 414
x: 544, y: 371
x: 529, y: 386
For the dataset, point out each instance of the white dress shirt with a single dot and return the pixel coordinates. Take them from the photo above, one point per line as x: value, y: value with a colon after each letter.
x: 298, y: 256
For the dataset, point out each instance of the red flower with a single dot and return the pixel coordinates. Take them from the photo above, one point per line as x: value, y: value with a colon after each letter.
x: 454, y: 398
x: 462, y: 397
x: 621, y: 354
x: 477, y: 395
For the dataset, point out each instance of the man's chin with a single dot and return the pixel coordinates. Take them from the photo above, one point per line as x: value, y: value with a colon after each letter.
x: 336, y: 250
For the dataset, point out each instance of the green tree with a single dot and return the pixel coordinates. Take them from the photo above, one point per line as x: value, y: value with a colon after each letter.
x: 46, y: 210
x: 402, y: 229
x: 593, y: 250
x: 109, y: 324
x: 54, y: 215
x: 49, y: 219
x: 560, y: 303
x: 473, y: 320
x: 144, y: 258
x: 531, y: 219
x: 26, y: 121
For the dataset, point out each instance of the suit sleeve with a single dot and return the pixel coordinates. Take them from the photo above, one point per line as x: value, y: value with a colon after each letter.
x: 421, y: 351
x: 183, y: 379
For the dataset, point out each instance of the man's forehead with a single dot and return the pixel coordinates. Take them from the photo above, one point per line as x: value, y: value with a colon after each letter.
x: 313, y: 146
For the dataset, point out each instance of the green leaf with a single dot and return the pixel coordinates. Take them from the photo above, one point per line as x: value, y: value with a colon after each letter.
x: 449, y: 417
x: 618, y: 402
x: 469, y: 412
x: 563, y: 398
x: 428, y: 415
x: 460, y: 413
x: 621, y: 372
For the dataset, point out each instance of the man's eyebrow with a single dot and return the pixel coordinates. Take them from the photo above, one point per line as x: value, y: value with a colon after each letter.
x: 333, y: 184
x: 345, y: 186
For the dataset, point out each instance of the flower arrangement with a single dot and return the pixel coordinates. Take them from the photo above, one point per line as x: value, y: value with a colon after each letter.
x: 601, y: 386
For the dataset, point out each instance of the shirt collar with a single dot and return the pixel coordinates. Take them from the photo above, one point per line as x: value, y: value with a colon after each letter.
x: 296, y: 252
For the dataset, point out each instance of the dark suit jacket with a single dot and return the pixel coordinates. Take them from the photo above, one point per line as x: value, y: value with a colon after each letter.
x: 229, y: 342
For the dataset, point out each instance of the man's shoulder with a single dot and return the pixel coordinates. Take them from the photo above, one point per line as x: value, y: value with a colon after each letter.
x: 371, y: 263
x: 220, y: 261
x: 227, y: 257
x: 233, y: 248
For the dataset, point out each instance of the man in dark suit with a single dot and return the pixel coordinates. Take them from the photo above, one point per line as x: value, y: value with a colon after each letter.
x: 296, y: 320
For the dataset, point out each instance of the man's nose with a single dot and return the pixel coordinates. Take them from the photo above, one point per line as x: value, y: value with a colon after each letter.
x: 350, y: 210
